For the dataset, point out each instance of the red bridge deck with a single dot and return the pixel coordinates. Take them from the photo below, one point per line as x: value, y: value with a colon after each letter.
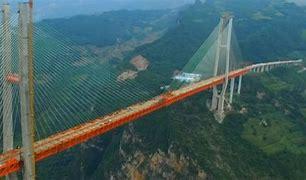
x: 11, y: 162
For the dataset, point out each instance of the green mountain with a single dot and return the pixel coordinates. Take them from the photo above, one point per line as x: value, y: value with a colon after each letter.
x: 278, y: 34
x: 112, y: 27
x: 263, y: 137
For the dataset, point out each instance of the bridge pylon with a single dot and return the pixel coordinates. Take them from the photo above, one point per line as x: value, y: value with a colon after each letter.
x: 223, y: 46
x: 7, y: 95
x: 26, y: 90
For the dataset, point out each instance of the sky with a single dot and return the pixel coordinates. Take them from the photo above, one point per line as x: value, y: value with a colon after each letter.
x: 65, y: 8
x: 97, y: 6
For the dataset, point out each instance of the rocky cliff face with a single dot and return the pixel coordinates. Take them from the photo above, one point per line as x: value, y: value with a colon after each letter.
x: 139, y: 165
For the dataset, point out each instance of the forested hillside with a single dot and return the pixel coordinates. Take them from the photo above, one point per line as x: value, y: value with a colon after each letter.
x: 112, y: 27
x: 263, y: 137
x: 266, y: 30
x: 184, y: 140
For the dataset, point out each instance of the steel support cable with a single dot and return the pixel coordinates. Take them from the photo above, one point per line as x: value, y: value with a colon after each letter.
x: 146, y: 90
x: 9, y: 94
x: 17, y: 106
x: 54, y: 107
x: 3, y: 39
x: 201, y: 52
x: 207, y: 61
x: 63, y: 46
x: 6, y: 69
x: 44, y: 111
x: 14, y: 119
x: 41, y: 125
x: 236, y: 52
x: 64, y: 38
x: 200, y: 59
x: 51, y: 110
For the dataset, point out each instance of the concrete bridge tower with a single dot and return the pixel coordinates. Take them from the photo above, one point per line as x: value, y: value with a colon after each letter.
x: 223, y: 47
x: 26, y: 89
x: 7, y: 95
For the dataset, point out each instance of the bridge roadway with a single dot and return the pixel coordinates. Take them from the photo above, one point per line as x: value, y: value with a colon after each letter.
x: 10, y: 161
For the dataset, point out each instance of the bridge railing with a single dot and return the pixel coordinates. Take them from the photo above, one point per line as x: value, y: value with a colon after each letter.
x: 277, y: 63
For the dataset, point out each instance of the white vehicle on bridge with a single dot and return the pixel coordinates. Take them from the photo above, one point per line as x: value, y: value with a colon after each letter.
x: 188, y: 77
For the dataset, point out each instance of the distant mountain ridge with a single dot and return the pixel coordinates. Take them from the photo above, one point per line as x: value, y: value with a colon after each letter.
x: 113, y: 27
x: 46, y: 9
x: 266, y: 30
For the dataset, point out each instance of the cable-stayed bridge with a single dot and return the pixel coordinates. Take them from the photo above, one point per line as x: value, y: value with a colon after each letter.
x: 60, y: 95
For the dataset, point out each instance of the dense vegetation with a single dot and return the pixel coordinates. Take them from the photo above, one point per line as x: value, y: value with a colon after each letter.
x: 262, y: 138
x: 279, y: 35
x: 112, y: 27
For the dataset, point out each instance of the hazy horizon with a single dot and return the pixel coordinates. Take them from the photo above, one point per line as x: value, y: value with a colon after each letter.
x: 56, y: 8
x: 51, y: 8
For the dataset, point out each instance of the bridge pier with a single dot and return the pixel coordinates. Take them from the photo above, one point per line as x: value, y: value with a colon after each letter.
x: 239, y: 85
x: 262, y: 69
x: 232, y: 90
x: 219, y: 113
x: 214, y: 101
